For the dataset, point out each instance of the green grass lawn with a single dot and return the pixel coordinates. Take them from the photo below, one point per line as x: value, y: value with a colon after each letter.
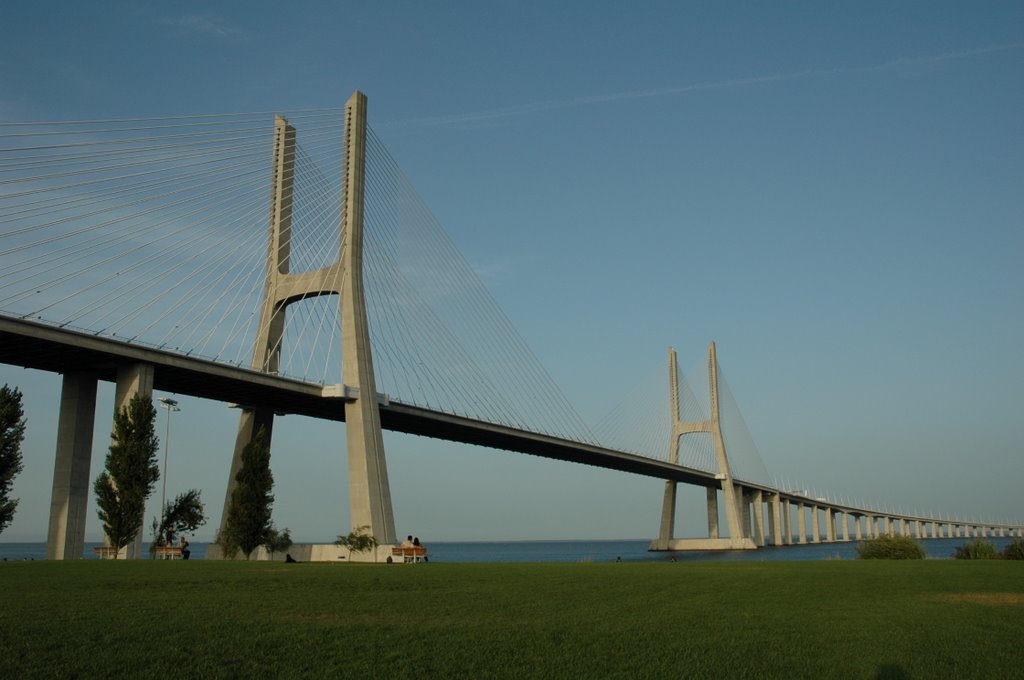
x: 927, y: 619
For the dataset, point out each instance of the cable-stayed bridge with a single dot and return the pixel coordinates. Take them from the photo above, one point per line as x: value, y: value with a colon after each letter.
x: 286, y: 265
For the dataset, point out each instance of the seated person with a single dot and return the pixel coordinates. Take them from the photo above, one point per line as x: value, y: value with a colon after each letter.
x: 407, y: 543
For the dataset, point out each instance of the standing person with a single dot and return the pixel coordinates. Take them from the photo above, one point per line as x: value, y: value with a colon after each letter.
x: 183, y: 544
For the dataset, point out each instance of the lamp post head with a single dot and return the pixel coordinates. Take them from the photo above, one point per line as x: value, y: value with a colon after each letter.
x: 168, y: 403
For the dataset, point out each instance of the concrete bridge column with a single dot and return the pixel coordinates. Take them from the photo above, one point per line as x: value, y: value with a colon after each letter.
x: 815, y: 526
x: 856, y: 528
x: 131, y: 380
x: 776, y: 509
x: 787, y: 521
x: 935, y: 529
x: 800, y: 525
x: 830, y: 525
x: 668, y: 516
x: 65, y: 538
x: 917, y: 528
x: 846, y: 526
x: 1002, y: 532
x: 758, y: 502
x: 712, y: 512
x: 745, y: 500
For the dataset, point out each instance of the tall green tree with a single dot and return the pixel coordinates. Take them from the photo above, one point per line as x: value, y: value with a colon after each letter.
x: 184, y: 514
x: 130, y: 473
x: 248, y: 523
x: 12, y: 432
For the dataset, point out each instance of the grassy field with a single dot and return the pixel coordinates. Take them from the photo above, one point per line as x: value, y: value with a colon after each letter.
x: 930, y: 619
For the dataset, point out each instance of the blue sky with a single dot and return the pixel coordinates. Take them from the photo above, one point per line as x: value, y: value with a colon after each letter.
x: 830, y: 191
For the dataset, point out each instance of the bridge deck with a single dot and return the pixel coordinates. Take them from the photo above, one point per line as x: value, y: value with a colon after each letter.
x: 40, y: 346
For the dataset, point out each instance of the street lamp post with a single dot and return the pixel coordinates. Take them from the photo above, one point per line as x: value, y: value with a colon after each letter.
x: 171, y: 405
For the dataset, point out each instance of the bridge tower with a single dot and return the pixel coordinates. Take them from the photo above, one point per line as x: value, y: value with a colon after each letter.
x: 369, y: 492
x: 733, y: 493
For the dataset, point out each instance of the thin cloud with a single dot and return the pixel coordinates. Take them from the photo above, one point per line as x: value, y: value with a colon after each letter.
x: 491, y: 115
x: 206, y: 25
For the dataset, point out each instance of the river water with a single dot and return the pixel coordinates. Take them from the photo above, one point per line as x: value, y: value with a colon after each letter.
x: 580, y: 551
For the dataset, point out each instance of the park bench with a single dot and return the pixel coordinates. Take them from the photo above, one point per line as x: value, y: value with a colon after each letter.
x: 168, y: 552
x: 408, y: 555
x: 106, y: 552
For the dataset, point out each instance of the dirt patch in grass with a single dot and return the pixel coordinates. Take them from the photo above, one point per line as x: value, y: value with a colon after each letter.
x: 982, y: 598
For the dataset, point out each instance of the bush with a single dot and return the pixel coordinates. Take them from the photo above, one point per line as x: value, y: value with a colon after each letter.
x: 890, y: 547
x: 1014, y: 550
x: 978, y: 549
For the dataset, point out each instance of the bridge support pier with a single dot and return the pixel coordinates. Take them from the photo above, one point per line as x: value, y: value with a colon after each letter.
x: 787, y: 521
x: 800, y: 524
x: 758, y: 506
x: 712, y: 496
x: 65, y: 539
x: 830, y: 525
x: 131, y: 380
x: 776, y: 509
x: 815, y: 526
x: 846, y: 526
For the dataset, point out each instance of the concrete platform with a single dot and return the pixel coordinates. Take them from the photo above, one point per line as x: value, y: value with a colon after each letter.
x: 702, y: 544
x: 311, y: 552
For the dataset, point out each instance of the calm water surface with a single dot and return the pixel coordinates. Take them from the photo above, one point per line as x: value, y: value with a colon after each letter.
x: 579, y: 551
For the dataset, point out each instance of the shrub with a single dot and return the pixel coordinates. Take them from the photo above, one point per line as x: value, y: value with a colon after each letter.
x: 360, y: 540
x: 890, y: 547
x: 978, y: 549
x: 1014, y: 550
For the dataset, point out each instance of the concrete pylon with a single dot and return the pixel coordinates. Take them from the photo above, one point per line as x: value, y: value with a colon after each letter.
x: 735, y: 507
x: 668, y: 506
x: 369, y: 491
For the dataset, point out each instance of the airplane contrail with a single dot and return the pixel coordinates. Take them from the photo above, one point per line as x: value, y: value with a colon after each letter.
x: 556, y: 104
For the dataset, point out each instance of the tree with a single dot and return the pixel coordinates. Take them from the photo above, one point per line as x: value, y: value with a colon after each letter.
x: 359, y: 540
x: 248, y: 523
x: 131, y: 471
x: 12, y: 432
x: 184, y: 514
x: 278, y: 541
